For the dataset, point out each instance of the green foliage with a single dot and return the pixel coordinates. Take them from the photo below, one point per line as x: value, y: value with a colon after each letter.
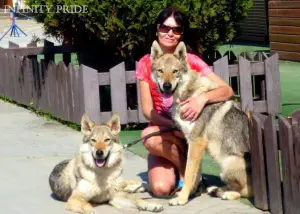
x: 121, y: 26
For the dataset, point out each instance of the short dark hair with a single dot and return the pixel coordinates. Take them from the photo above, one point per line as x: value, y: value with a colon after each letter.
x: 182, y: 20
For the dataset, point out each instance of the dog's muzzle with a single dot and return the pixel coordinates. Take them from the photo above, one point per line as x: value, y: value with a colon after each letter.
x: 100, y: 159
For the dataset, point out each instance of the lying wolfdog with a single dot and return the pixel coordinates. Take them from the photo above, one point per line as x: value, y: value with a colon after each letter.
x: 94, y: 174
x: 221, y: 129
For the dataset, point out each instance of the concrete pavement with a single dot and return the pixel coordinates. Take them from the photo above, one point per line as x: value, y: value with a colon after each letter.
x: 30, y: 146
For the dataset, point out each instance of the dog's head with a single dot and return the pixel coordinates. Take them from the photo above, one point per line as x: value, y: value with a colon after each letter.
x: 168, y: 69
x: 101, y: 142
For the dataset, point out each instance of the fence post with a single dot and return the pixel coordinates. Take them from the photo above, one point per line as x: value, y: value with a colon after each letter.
x: 273, y: 85
x: 91, y: 94
x: 118, y: 91
x: 245, y: 85
x: 257, y: 162
x: 273, y: 165
x: 287, y: 156
x: 221, y: 68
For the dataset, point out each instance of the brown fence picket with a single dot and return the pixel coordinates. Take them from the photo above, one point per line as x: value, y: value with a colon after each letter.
x: 91, y: 93
x: 258, y: 164
x: 118, y: 91
x: 273, y: 166
x: 273, y: 84
x: 245, y: 85
x: 286, y: 146
x: 220, y: 67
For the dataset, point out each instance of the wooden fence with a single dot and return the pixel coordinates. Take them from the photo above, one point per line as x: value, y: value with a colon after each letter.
x: 275, y: 149
x: 67, y: 92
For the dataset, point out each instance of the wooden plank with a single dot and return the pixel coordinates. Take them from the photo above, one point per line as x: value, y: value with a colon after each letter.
x: 257, y: 163
x: 285, y: 47
x: 67, y: 94
x: 10, y: 76
x: 283, y: 55
x: 52, y: 86
x: 19, y: 85
x: 133, y: 116
x: 284, y: 30
x: 284, y: 4
x: 221, y: 68
x: 91, y: 94
x: 12, y: 45
x: 80, y: 108
x: 2, y: 75
x: 296, y: 115
x: 245, y: 85
x: 296, y: 164
x: 71, y: 97
x: 118, y: 91
x: 291, y: 13
x: 61, y: 69
x: 130, y: 79
x: 285, y: 38
x: 284, y: 21
x: 272, y: 79
x: 105, y: 116
x: 142, y: 118
x: 273, y: 167
x: 286, y: 146
x: 44, y: 71
x: 257, y: 68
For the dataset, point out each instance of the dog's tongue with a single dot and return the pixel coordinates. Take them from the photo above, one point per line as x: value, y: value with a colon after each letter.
x: 167, y: 99
x: 100, y: 162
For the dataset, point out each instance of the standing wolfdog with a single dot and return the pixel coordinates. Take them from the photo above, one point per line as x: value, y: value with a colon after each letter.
x: 221, y: 129
x: 94, y: 174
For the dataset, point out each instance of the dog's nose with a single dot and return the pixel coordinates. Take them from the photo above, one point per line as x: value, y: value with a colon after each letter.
x: 99, y: 153
x: 167, y: 86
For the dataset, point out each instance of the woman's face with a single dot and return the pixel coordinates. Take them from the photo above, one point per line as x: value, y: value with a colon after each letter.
x: 169, y: 34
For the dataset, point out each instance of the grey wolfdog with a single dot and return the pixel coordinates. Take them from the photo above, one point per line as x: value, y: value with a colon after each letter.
x: 94, y: 175
x: 221, y: 129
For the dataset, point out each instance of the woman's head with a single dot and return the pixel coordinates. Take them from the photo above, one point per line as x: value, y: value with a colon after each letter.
x: 170, y: 28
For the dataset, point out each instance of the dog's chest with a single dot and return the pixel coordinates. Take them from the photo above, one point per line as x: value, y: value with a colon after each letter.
x: 184, y: 125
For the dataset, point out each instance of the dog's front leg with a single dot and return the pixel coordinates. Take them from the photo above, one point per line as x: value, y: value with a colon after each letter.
x: 193, y: 168
x: 131, y: 186
x: 79, y: 204
x: 80, y: 197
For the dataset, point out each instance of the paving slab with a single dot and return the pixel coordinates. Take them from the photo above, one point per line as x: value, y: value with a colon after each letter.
x: 31, y: 145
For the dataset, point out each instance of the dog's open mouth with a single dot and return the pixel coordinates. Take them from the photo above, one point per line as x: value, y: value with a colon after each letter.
x: 100, y: 162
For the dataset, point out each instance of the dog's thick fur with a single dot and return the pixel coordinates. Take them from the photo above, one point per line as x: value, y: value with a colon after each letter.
x: 221, y: 129
x: 94, y: 175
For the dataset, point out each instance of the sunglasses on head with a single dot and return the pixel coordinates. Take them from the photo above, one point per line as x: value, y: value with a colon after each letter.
x: 165, y: 29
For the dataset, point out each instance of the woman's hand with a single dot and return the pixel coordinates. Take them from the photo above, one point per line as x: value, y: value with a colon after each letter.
x: 193, y: 107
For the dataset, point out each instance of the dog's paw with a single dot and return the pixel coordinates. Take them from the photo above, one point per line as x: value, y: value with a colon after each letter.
x: 134, y: 188
x: 86, y: 209
x: 152, y: 207
x: 179, y: 200
x: 231, y: 195
x: 211, y: 189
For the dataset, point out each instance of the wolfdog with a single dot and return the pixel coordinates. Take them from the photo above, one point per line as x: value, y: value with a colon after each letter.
x: 94, y: 175
x: 221, y: 128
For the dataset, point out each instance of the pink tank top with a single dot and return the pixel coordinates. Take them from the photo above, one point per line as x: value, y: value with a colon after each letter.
x: 162, y: 104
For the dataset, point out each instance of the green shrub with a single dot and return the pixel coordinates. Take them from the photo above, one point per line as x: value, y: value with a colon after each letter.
x: 116, y: 30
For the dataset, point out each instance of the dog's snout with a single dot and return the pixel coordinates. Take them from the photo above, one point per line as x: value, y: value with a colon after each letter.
x: 167, y: 86
x: 99, y: 153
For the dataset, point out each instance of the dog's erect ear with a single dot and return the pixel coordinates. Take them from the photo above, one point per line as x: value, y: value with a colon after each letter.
x: 156, y: 51
x: 86, y: 125
x: 114, y: 124
x: 180, y: 52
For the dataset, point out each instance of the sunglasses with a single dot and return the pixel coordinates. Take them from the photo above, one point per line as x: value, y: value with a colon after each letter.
x: 165, y: 29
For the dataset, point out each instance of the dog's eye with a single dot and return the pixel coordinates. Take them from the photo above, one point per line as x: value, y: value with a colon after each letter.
x: 160, y: 71
x: 106, y: 140
x: 175, y: 71
x: 93, y: 140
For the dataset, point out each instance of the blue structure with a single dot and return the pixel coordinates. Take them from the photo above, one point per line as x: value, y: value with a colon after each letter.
x: 14, y: 29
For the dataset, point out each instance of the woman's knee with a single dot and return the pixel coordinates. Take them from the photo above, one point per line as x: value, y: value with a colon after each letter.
x: 161, y: 188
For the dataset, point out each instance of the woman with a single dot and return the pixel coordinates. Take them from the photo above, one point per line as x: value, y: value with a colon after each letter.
x: 167, y: 152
